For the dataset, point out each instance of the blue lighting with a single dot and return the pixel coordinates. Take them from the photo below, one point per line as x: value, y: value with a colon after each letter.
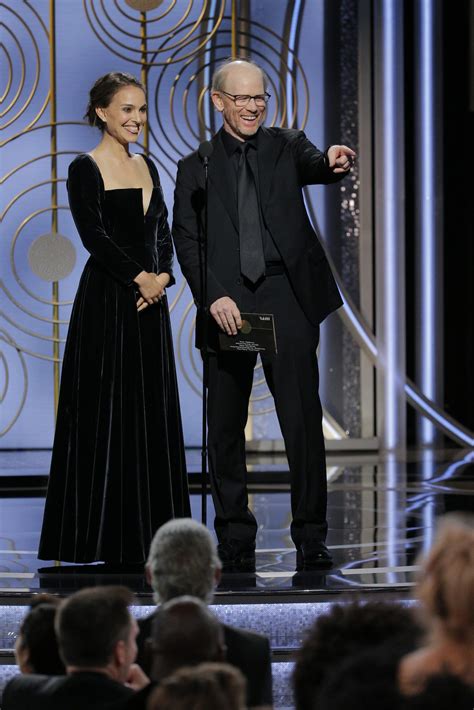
x: 391, y: 223
x: 426, y: 158
x: 290, y: 63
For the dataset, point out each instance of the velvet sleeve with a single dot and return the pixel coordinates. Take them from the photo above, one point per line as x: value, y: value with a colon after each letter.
x: 84, y: 190
x: 165, y: 246
x: 164, y: 243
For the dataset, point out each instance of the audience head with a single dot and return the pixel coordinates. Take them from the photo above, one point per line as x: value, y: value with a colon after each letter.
x: 208, y: 686
x: 36, y: 648
x: 446, y: 583
x: 348, y: 629
x: 363, y: 681
x: 183, y: 561
x: 184, y: 633
x: 96, y: 631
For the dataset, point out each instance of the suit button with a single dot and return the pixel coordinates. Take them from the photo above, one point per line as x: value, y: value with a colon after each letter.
x: 239, y: 281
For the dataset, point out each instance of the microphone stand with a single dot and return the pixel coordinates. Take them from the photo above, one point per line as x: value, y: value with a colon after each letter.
x: 204, y: 348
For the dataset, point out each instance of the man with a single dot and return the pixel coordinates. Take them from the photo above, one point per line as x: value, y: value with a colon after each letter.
x: 97, y: 641
x: 184, y: 633
x: 263, y: 257
x: 183, y: 561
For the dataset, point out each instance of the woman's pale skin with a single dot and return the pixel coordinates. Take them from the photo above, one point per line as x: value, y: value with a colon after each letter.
x: 124, y: 119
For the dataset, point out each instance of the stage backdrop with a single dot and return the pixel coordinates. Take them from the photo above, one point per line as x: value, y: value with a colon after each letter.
x: 51, y: 52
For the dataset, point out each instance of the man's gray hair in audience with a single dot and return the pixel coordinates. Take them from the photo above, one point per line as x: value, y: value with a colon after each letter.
x: 183, y: 561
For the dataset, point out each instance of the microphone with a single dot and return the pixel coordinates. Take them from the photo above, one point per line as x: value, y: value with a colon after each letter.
x: 205, y: 151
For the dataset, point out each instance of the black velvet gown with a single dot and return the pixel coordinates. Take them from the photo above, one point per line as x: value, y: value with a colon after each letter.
x: 118, y: 467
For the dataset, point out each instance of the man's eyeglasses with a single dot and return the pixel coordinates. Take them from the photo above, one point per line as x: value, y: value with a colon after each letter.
x: 241, y: 100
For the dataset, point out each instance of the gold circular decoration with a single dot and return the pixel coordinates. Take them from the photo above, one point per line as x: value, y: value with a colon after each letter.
x: 144, y: 5
x: 52, y: 257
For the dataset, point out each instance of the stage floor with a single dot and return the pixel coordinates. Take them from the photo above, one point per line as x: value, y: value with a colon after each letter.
x: 381, y: 510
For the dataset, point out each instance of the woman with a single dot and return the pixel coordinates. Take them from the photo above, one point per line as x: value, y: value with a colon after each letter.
x: 36, y: 647
x: 446, y: 592
x: 118, y: 467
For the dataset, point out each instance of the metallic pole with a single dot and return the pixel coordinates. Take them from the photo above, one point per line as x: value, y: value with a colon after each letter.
x: 144, y: 74
x: 389, y: 223
x: 54, y: 191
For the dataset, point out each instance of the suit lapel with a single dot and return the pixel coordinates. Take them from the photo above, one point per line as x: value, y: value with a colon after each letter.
x: 269, y: 149
x: 222, y: 179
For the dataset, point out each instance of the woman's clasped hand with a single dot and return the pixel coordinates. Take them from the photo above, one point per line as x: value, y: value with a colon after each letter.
x: 152, y: 287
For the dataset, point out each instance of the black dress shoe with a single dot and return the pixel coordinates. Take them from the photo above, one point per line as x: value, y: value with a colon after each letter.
x: 236, y: 557
x: 313, y: 555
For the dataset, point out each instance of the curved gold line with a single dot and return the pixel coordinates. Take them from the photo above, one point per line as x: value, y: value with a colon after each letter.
x: 192, y: 352
x: 278, y: 92
x: 173, y: 91
x: 33, y: 160
x: 27, y: 331
x: 253, y: 36
x: 9, y: 340
x: 163, y: 47
x: 164, y: 34
x: 159, y: 161
x: 7, y: 377
x: 19, y: 195
x: 297, y: 61
x: 261, y: 412
x: 10, y: 74
x: 37, y: 73
x: 149, y: 36
x: 23, y: 75
x: 153, y: 19
x: 21, y: 133
x: 179, y: 349
x: 38, y: 115
x: 12, y: 256
x: 260, y: 397
x: 27, y: 311
x: 48, y: 358
x: 38, y: 17
x: 200, y: 113
x: 178, y: 295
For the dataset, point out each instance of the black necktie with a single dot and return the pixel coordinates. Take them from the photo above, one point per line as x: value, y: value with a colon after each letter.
x: 252, y: 261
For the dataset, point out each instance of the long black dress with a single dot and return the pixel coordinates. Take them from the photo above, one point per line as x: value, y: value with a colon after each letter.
x: 118, y: 467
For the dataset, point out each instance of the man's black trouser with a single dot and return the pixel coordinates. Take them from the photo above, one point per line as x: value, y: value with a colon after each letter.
x: 293, y: 378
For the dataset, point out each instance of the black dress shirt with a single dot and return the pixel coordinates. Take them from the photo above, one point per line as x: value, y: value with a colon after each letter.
x: 231, y: 145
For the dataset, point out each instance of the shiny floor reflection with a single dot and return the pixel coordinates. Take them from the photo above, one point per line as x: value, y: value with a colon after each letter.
x: 382, y: 513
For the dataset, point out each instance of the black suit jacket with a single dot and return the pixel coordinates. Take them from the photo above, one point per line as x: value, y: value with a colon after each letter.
x: 246, y: 650
x: 292, y: 162
x: 77, y: 691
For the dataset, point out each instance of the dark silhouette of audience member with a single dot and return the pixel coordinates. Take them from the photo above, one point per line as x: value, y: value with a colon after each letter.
x: 446, y: 592
x: 367, y: 680
x: 36, y: 648
x: 442, y: 692
x: 183, y: 560
x: 348, y: 629
x: 208, y: 686
x: 184, y: 633
x: 96, y: 636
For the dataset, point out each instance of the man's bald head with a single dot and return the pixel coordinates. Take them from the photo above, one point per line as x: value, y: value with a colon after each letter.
x: 234, y: 71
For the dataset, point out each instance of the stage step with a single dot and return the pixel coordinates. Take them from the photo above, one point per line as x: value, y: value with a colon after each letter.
x: 284, y: 623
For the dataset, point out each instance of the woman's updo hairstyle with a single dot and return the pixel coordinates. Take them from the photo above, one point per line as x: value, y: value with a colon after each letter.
x: 103, y: 92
